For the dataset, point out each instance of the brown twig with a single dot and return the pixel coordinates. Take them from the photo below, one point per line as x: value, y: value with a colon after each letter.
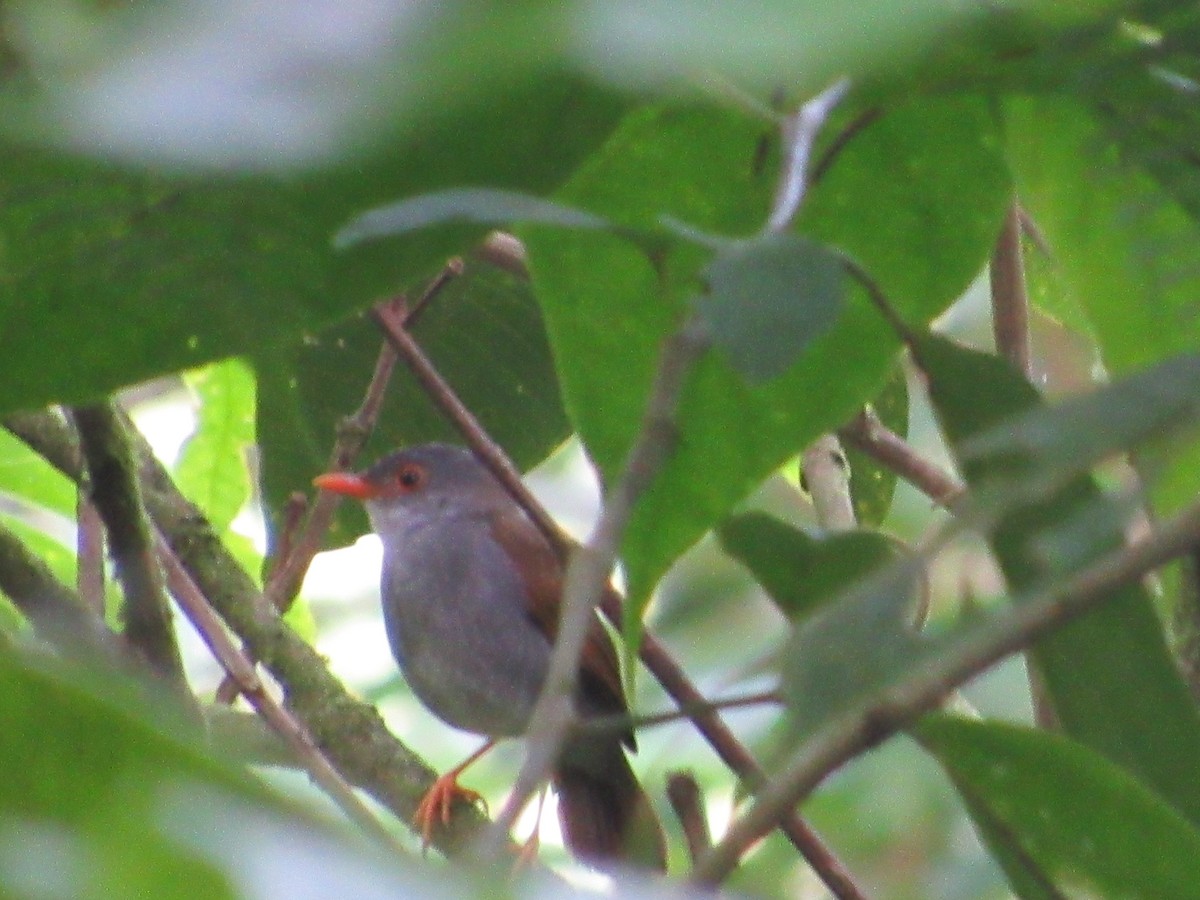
x: 352, y: 437
x: 866, y: 433
x: 979, y: 646
x: 1010, y: 298
x: 192, y: 601
x: 838, y: 144
x: 619, y: 723
x: 296, y: 553
x: 1010, y: 327
x: 688, y: 803
x: 114, y: 489
x: 89, y: 577
x: 656, y: 657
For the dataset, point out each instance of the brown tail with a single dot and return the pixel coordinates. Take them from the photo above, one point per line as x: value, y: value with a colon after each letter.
x: 606, y: 816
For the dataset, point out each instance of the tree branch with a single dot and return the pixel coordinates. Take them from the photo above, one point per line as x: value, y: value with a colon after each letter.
x: 113, y: 488
x: 1010, y: 299
x: 688, y: 803
x: 975, y: 649
x: 866, y: 433
x: 237, y: 664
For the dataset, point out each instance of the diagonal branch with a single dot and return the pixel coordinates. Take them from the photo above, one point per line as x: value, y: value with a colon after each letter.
x: 240, y: 666
x: 923, y: 688
x: 590, y: 569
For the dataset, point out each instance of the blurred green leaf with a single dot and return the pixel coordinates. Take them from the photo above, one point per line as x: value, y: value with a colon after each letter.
x: 483, y: 331
x: 872, y: 486
x: 801, y: 573
x: 141, y: 272
x: 213, y: 466
x: 1046, y: 444
x: 28, y: 476
x: 1108, y: 675
x: 767, y: 299
x: 846, y: 653
x: 1062, y: 820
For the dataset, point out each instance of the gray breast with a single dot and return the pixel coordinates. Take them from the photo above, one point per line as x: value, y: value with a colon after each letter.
x: 457, y: 622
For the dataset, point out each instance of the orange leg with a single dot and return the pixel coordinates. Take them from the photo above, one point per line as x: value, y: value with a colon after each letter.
x: 443, y: 794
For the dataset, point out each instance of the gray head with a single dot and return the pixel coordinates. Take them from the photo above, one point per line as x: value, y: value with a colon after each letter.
x: 418, y: 484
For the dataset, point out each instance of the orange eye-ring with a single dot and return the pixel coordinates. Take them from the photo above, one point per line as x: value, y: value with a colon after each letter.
x: 410, y: 477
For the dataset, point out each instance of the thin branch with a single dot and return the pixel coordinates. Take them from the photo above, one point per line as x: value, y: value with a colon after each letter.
x: 619, y: 724
x: 55, y: 611
x: 1010, y: 298
x: 656, y: 657
x: 114, y: 489
x: 591, y: 566
x: 1010, y: 328
x: 827, y: 477
x: 843, y: 138
x: 89, y: 578
x: 866, y: 433
x: 979, y: 647
x: 237, y: 664
x: 352, y: 437
x: 799, y: 133
x: 688, y: 803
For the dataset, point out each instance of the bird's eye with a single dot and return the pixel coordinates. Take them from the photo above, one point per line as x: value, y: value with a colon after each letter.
x: 410, y: 476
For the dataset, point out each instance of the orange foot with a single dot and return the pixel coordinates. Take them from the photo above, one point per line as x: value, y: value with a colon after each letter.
x: 437, y: 802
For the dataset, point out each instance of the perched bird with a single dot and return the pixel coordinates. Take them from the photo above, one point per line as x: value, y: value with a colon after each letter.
x: 471, y: 595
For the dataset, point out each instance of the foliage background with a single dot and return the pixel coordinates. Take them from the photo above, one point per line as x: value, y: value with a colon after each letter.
x: 185, y: 197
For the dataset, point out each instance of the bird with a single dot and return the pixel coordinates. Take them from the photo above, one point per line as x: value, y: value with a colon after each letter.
x: 471, y: 595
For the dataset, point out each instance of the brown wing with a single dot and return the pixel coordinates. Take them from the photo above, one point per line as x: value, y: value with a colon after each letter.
x: 538, y: 566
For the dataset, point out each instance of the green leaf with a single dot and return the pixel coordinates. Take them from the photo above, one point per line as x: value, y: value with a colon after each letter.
x: 848, y: 652
x: 213, y: 466
x: 872, y: 486
x: 697, y: 165
x: 768, y: 299
x: 483, y: 331
x: 1061, y: 819
x: 141, y: 273
x: 1119, y: 212
x: 917, y: 199
x: 1108, y: 675
x: 799, y: 572
x: 1046, y: 444
x: 26, y: 475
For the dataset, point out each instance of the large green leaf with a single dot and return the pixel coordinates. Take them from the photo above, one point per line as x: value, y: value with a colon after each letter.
x: 1062, y: 820
x: 139, y: 272
x: 1108, y: 675
x: 608, y: 308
